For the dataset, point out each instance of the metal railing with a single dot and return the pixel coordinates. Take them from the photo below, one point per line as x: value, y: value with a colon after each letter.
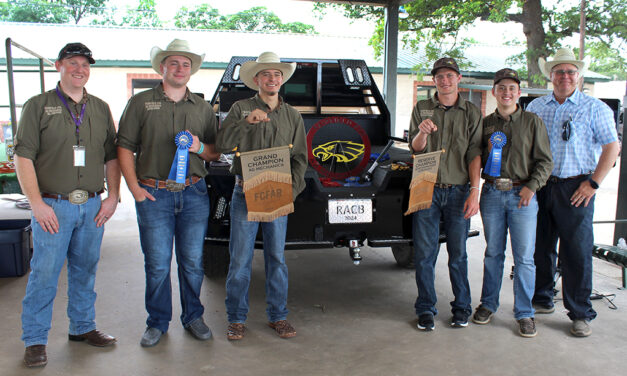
x: 12, y: 105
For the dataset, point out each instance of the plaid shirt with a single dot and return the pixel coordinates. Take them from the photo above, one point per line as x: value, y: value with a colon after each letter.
x: 592, y: 127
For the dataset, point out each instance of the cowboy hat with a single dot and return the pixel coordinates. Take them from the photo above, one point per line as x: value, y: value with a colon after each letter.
x: 267, y: 60
x: 177, y: 47
x: 563, y: 56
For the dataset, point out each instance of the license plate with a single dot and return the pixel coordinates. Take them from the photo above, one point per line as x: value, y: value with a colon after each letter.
x: 350, y: 211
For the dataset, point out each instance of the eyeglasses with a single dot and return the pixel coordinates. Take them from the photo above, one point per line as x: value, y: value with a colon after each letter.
x: 77, y: 50
x: 566, y: 129
x: 561, y: 72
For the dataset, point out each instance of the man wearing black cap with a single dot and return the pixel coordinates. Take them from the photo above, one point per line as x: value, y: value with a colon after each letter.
x: 450, y: 123
x: 65, y: 148
x: 516, y: 162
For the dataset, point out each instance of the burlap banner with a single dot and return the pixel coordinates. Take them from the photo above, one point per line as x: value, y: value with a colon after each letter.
x: 423, y: 178
x: 267, y: 183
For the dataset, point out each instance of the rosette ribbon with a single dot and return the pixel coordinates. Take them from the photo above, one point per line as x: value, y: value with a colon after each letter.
x: 493, y: 165
x: 178, y: 171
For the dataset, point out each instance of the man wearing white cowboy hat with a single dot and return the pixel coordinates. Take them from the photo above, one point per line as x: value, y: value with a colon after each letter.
x: 171, y: 200
x: 580, y: 129
x: 261, y: 122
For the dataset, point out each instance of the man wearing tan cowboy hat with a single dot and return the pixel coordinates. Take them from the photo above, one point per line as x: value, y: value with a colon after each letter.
x: 65, y: 146
x: 172, y: 132
x: 580, y: 129
x: 446, y: 121
x: 516, y: 162
x: 261, y: 122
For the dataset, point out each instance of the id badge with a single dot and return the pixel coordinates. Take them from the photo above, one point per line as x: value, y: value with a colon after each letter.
x: 79, y: 156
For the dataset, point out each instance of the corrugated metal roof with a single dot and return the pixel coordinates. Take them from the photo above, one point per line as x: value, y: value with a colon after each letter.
x: 130, y: 46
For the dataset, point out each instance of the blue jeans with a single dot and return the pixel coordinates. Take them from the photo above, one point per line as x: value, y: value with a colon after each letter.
x: 557, y: 218
x: 499, y: 211
x: 180, y: 217
x: 78, y: 241
x: 448, y: 206
x: 241, y: 247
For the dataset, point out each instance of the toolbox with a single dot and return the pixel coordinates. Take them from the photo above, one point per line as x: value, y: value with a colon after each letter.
x: 15, y: 247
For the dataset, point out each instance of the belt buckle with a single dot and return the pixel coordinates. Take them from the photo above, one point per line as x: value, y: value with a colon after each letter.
x: 173, y: 186
x: 78, y: 196
x: 503, y: 184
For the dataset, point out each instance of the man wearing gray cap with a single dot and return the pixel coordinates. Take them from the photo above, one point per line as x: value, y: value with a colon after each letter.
x: 584, y: 145
x: 65, y: 148
x: 446, y: 121
x: 172, y: 132
x: 516, y: 162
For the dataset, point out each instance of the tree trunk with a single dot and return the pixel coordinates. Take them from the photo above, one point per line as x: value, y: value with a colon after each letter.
x: 536, y: 46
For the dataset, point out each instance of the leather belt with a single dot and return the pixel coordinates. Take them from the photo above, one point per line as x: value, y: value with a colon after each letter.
x: 76, y: 197
x: 444, y: 186
x: 167, y: 184
x: 505, y: 184
x: 555, y: 179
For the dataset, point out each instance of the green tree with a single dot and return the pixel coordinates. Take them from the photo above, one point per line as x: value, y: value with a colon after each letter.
x: 49, y: 11
x: 254, y: 19
x: 201, y: 17
x: 79, y: 9
x: 439, y: 24
x: 143, y: 15
x: 39, y: 11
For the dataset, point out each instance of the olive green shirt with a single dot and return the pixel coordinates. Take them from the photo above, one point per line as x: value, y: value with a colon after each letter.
x: 47, y: 135
x: 285, y: 127
x: 458, y: 133
x: 527, y: 152
x: 150, y: 123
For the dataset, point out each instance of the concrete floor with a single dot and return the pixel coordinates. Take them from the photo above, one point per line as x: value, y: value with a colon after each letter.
x: 350, y: 321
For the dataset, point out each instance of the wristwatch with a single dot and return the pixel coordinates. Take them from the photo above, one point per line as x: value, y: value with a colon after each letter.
x: 593, y: 183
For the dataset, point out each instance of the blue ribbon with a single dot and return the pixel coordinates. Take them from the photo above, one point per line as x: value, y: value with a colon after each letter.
x: 178, y: 171
x: 493, y: 165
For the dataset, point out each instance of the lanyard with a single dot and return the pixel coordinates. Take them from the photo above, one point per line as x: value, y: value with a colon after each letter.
x: 77, y: 121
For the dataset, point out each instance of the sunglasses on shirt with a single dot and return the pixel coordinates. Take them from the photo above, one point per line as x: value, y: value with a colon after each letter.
x: 566, y: 129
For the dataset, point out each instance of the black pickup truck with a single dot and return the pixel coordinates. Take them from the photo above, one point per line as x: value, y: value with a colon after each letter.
x: 347, y: 202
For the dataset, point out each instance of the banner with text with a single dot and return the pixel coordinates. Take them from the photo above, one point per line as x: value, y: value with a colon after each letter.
x: 267, y: 183
x: 423, y: 178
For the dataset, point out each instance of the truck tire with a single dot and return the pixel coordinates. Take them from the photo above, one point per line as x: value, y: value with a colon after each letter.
x: 215, y: 260
x: 404, y: 255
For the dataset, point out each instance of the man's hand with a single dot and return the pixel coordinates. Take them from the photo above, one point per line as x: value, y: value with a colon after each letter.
x: 257, y: 116
x: 583, y: 194
x: 107, y: 208
x: 471, y: 206
x: 140, y: 194
x: 526, y: 195
x: 427, y: 126
x: 44, y: 214
x: 195, y: 143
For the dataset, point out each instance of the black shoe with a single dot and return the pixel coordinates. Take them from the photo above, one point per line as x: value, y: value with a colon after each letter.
x: 425, y: 322
x: 544, y: 308
x: 482, y: 315
x: 459, y: 320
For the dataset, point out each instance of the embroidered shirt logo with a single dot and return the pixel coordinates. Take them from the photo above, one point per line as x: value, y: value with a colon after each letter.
x: 150, y: 106
x: 426, y: 113
x: 53, y: 110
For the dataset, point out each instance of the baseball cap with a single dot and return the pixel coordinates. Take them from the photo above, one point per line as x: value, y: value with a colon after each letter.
x: 445, y: 62
x: 76, y: 49
x: 506, y: 73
